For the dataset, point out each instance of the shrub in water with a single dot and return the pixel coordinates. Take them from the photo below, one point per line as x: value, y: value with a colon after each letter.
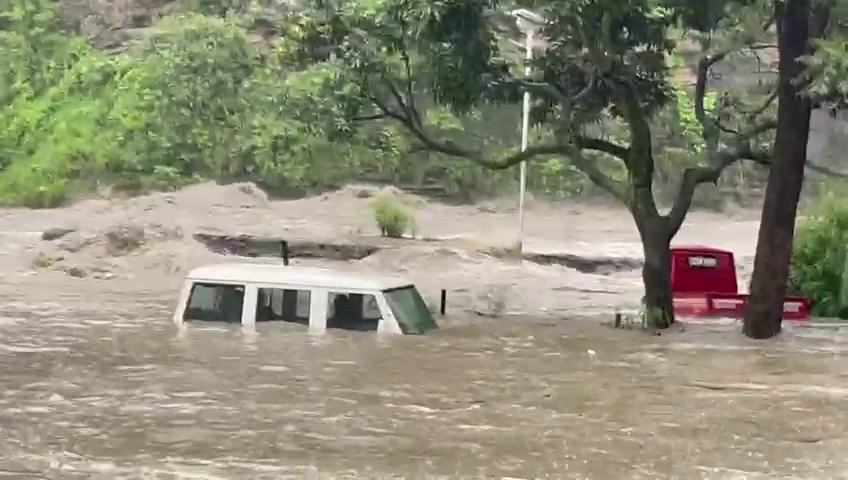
x: 392, y: 218
x: 819, y: 258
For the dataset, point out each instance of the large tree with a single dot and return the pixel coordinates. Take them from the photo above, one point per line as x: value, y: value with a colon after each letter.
x: 604, y: 68
x: 799, y: 23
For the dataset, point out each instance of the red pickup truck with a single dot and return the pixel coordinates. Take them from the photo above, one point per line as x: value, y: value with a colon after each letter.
x: 704, y: 283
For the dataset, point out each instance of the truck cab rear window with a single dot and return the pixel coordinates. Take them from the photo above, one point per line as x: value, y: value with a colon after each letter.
x: 702, y: 261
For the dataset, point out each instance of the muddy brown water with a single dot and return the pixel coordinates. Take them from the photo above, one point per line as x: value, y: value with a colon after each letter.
x: 102, y: 385
x: 97, y: 383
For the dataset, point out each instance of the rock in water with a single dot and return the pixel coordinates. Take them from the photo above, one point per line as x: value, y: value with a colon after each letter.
x: 56, y: 233
x: 124, y: 239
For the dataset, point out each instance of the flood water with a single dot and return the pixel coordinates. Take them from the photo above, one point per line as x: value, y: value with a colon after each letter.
x: 96, y: 387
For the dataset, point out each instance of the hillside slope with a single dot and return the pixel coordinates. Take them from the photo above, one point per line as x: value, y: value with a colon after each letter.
x: 110, y: 22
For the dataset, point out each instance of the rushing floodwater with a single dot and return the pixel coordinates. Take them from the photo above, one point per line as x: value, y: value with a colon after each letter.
x: 93, y: 393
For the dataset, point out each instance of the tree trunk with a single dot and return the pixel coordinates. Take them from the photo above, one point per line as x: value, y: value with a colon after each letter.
x: 656, y: 272
x: 764, y: 312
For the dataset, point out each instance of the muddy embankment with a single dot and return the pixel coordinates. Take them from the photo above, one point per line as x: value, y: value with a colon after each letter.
x: 579, y: 259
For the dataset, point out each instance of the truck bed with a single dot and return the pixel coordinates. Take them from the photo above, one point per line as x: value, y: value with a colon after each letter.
x: 713, y: 304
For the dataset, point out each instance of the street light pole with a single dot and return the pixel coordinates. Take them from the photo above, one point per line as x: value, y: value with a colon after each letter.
x: 529, y: 23
x: 525, y: 139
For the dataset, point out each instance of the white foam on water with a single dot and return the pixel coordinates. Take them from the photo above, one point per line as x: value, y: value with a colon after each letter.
x: 31, y: 349
x: 274, y: 368
x: 8, y: 321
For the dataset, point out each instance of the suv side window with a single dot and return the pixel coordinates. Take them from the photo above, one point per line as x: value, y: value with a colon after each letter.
x: 353, y: 311
x: 283, y: 305
x: 215, y: 303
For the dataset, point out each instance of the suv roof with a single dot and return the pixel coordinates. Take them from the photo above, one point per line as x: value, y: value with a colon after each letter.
x: 294, y: 275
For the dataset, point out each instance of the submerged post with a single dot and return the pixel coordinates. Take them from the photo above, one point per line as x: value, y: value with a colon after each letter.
x: 443, y: 304
x: 284, y: 252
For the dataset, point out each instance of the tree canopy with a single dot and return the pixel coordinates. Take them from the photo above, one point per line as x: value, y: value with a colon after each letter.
x: 600, y: 82
x: 197, y: 96
x: 465, y: 75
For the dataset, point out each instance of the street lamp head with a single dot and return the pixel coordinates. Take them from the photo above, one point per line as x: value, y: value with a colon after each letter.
x: 528, y: 21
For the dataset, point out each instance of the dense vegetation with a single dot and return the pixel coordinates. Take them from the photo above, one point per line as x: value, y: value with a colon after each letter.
x: 200, y: 98
x: 819, y: 267
x: 205, y: 96
x: 820, y: 259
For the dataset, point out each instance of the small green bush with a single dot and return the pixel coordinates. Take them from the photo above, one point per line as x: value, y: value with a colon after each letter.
x: 818, y: 269
x: 392, y: 218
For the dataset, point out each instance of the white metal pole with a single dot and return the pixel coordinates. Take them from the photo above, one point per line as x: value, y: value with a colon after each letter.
x: 525, y: 132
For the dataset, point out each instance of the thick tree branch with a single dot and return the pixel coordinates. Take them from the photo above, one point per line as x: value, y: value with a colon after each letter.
x: 450, y: 148
x: 411, y: 120
x: 551, y: 91
x: 693, y: 177
x: 640, y: 163
x: 406, y: 105
x: 640, y: 126
x: 720, y: 157
x: 762, y: 157
x: 604, y: 146
x: 820, y: 19
x: 617, y: 189
x: 543, y: 89
x: 641, y: 140
x: 580, y: 142
x: 769, y: 101
x: 756, y: 130
x: 701, y: 91
x: 369, y: 117
x: 779, y: 13
x: 709, y: 127
x: 410, y: 94
x: 719, y: 161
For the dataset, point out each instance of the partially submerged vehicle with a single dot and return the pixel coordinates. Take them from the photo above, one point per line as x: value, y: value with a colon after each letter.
x: 704, y: 284
x: 319, y: 298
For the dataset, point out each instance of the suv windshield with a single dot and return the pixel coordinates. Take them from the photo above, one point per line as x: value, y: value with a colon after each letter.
x: 409, y: 309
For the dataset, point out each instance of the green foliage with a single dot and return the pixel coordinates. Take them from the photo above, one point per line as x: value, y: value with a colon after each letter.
x: 690, y: 127
x: 828, y: 70
x: 819, y: 259
x: 393, y: 220
x: 200, y: 99
x: 602, y: 86
x: 203, y: 98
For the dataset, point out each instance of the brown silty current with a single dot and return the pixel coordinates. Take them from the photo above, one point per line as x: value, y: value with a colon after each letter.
x: 98, y: 383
